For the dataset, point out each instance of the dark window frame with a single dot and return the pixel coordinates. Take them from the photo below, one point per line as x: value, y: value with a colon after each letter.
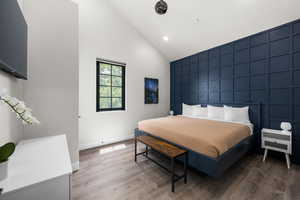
x: 123, y: 87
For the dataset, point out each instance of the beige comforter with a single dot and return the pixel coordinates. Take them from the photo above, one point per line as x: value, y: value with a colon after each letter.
x: 208, y: 137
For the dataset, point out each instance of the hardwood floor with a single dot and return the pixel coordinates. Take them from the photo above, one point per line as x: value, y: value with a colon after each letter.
x: 115, y: 175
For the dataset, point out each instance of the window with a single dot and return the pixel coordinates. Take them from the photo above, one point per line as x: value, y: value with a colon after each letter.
x: 110, y: 86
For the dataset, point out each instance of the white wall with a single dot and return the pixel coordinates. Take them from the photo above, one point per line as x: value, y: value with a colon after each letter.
x: 104, y: 34
x: 52, y: 86
x: 11, y: 130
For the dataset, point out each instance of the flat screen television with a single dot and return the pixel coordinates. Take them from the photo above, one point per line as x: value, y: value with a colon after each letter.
x: 13, y: 39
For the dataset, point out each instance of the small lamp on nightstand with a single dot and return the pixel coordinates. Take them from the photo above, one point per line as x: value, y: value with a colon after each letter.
x: 285, y: 126
x: 171, y: 113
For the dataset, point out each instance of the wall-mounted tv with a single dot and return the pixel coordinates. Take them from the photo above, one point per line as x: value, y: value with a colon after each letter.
x: 13, y: 39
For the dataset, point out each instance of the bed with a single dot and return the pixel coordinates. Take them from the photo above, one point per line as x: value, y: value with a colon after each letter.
x: 213, y: 145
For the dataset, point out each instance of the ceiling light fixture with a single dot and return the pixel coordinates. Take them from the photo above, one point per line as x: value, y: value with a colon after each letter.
x: 161, y: 7
x: 165, y: 38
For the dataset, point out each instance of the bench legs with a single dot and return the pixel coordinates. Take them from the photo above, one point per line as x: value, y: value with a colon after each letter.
x: 186, y: 161
x: 174, y: 176
x: 135, y: 149
x: 147, y: 150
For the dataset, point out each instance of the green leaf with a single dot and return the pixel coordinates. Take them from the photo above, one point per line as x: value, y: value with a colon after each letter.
x: 105, y: 103
x: 116, y: 92
x: 116, y: 81
x: 105, y: 80
x: 6, y: 151
x: 116, y: 102
x: 105, y: 91
x: 105, y: 68
x: 116, y: 70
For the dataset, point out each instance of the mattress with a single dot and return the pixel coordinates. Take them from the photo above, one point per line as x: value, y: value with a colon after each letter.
x: 209, y: 137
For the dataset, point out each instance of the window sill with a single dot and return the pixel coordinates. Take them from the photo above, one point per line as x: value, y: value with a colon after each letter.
x: 111, y: 111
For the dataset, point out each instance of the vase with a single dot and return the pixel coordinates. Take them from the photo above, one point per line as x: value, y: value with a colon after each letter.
x: 3, y: 170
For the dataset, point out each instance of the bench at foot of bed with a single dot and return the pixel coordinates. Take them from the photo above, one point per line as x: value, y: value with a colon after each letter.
x: 166, y: 149
x: 213, y: 167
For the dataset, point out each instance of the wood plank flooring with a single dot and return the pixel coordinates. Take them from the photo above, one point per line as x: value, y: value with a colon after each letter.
x: 115, y: 175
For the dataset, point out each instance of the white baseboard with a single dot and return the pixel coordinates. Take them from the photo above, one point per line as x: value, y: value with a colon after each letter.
x: 107, y: 141
x: 75, y: 166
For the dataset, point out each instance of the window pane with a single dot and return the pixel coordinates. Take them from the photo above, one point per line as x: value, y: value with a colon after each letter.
x: 105, y: 92
x: 117, y: 70
x: 116, y: 92
x: 105, y: 68
x: 116, y: 81
x: 105, y: 103
x: 116, y: 102
x: 105, y: 80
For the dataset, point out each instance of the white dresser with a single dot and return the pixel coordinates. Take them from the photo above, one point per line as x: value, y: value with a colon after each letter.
x: 40, y: 169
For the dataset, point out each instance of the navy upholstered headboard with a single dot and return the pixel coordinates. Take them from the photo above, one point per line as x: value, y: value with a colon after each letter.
x: 264, y: 67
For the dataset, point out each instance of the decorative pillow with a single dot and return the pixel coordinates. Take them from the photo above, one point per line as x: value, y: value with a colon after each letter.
x: 199, y: 111
x: 215, y: 112
x: 187, y: 110
x: 236, y: 114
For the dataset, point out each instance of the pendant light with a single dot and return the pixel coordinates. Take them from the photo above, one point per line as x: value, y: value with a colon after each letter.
x: 161, y: 7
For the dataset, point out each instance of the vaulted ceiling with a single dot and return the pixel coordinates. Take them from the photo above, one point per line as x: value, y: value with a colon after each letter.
x: 196, y: 25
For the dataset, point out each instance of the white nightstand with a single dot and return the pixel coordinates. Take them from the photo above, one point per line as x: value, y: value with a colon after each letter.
x: 277, y: 140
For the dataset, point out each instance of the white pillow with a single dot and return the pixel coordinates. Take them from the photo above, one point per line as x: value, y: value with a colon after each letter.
x: 215, y: 112
x: 235, y: 114
x: 187, y: 110
x: 199, y: 111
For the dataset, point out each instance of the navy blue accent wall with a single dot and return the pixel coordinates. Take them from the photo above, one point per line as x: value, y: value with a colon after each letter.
x: 264, y: 67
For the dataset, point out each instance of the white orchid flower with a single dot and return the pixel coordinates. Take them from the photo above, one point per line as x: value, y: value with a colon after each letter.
x: 35, y: 120
x: 26, y: 115
x: 5, y: 97
x: 19, y: 107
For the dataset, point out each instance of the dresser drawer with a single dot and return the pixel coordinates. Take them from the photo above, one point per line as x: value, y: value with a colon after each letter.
x: 277, y: 136
x: 276, y: 145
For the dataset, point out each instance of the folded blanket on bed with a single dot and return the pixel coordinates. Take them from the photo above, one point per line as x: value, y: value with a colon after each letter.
x: 208, y: 137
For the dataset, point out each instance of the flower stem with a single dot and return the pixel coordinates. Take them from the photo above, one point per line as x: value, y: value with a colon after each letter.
x: 15, y: 110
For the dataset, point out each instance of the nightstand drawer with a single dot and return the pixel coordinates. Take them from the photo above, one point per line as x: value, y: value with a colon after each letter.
x: 277, y: 136
x: 276, y: 145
